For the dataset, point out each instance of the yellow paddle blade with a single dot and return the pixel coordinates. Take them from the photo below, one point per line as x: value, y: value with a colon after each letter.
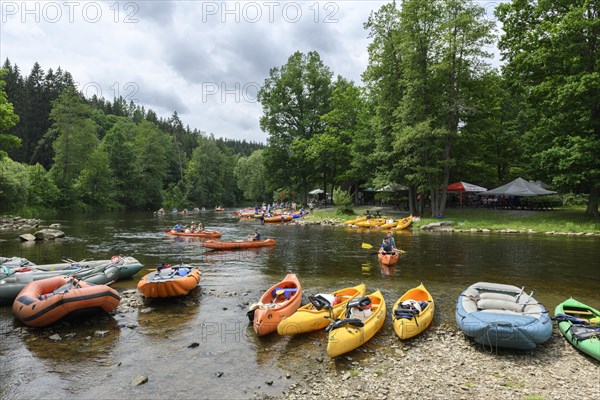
x: 402, y: 251
x: 366, y: 246
x: 279, y: 292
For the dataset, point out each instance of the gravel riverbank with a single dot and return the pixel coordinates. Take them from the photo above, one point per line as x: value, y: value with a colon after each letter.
x: 444, y: 364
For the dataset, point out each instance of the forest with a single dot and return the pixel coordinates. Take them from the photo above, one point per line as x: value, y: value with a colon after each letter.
x: 431, y: 110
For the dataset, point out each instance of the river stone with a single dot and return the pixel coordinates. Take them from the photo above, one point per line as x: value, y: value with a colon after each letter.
x: 27, y: 237
x: 49, y: 234
x: 139, y: 380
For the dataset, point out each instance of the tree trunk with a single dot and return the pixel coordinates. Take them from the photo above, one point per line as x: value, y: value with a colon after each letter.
x: 592, y: 207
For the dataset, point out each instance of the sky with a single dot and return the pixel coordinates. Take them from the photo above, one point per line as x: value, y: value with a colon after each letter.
x: 205, y: 60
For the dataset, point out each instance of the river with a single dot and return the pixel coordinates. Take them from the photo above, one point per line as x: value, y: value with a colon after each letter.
x: 99, y: 358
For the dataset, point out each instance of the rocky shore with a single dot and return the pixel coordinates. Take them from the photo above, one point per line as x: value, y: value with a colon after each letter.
x: 444, y: 364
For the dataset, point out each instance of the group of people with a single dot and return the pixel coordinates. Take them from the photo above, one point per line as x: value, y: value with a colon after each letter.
x: 193, y: 228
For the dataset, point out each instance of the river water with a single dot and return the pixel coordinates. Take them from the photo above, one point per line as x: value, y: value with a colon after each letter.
x: 99, y: 359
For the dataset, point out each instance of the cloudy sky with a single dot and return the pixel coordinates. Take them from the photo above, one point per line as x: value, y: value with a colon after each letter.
x: 203, y: 59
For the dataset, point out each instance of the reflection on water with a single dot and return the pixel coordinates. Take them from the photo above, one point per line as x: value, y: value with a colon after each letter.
x: 154, y: 339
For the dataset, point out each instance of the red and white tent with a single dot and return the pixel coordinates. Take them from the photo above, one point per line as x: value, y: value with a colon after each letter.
x: 465, y: 187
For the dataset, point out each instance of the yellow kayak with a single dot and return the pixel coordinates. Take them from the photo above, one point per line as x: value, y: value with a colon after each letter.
x: 371, y: 222
x: 355, y: 220
x: 389, y: 225
x: 404, y: 223
x: 310, y: 318
x: 413, y: 312
x: 346, y: 334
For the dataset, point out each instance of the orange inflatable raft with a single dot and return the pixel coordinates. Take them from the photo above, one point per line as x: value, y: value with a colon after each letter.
x: 239, y: 244
x: 280, y: 301
x: 169, y: 281
x: 43, y: 302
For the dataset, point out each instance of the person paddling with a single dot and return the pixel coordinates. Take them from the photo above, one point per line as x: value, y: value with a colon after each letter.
x: 256, y: 235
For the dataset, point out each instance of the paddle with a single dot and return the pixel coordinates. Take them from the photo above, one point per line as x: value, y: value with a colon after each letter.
x: 368, y: 246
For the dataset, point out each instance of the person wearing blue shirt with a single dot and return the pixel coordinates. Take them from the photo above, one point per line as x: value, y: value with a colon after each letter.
x: 392, y: 242
x: 178, y: 227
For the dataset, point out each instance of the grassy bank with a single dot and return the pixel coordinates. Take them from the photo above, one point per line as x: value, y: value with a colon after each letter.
x: 560, y: 220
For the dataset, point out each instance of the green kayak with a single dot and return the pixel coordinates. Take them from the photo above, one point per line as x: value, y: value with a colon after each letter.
x: 580, y: 325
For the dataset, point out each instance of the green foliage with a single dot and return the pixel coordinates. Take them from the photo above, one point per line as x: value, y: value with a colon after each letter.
x: 94, y: 185
x: 342, y: 200
x: 43, y: 192
x: 13, y: 184
x: 574, y: 199
x: 205, y: 175
x: 250, y: 174
x: 76, y: 138
x: 8, y: 119
x: 174, y: 197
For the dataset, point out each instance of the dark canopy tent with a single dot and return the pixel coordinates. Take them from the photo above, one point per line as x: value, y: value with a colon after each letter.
x: 518, y: 187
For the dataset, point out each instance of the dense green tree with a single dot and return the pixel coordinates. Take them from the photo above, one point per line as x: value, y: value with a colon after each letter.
x: 153, y: 150
x: 95, y: 183
x: 294, y: 97
x: 204, y: 175
x: 42, y: 191
x: 552, y: 50
x: 13, y: 184
x: 76, y: 139
x: 8, y: 119
x: 250, y: 173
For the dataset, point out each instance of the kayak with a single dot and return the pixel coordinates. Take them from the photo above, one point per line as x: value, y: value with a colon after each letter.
x: 319, y: 312
x: 404, y: 223
x: 46, y: 301
x: 239, y: 244
x: 358, y: 326
x: 413, y: 312
x: 369, y: 223
x: 204, y: 233
x: 355, y: 220
x: 279, y: 301
x: 169, y: 281
x: 389, y: 225
x: 282, y: 218
x: 388, y: 259
x: 580, y: 325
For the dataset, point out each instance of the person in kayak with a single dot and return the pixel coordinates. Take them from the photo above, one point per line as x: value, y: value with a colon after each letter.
x: 256, y: 235
x: 386, y: 247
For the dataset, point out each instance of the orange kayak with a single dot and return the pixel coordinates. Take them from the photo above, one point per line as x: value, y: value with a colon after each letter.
x: 43, y: 302
x: 282, y: 218
x: 279, y: 301
x: 204, y: 233
x: 171, y: 281
x: 388, y: 259
x: 239, y: 244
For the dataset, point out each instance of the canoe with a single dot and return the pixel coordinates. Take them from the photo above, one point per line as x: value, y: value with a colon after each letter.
x: 46, y: 301
x: 346, y: 334
x: 404, y: 223
x: 15, y: 281
x: 580, y: 325
x: 239, y: 244
x: 169, y: 281
x: 355, y: 220
x: 279, y: 301
x: 319, y: 312
x: 204, y: 233
x: 498, y: 315
x: 369, y: 223
x: 388, y: 259
x: 413, y: 312
x: 282, y: 218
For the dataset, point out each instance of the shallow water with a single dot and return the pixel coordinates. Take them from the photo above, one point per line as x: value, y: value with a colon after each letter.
x: 105, y: 354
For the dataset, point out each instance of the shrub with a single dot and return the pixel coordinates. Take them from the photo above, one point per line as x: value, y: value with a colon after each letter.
x: 343, y: 201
